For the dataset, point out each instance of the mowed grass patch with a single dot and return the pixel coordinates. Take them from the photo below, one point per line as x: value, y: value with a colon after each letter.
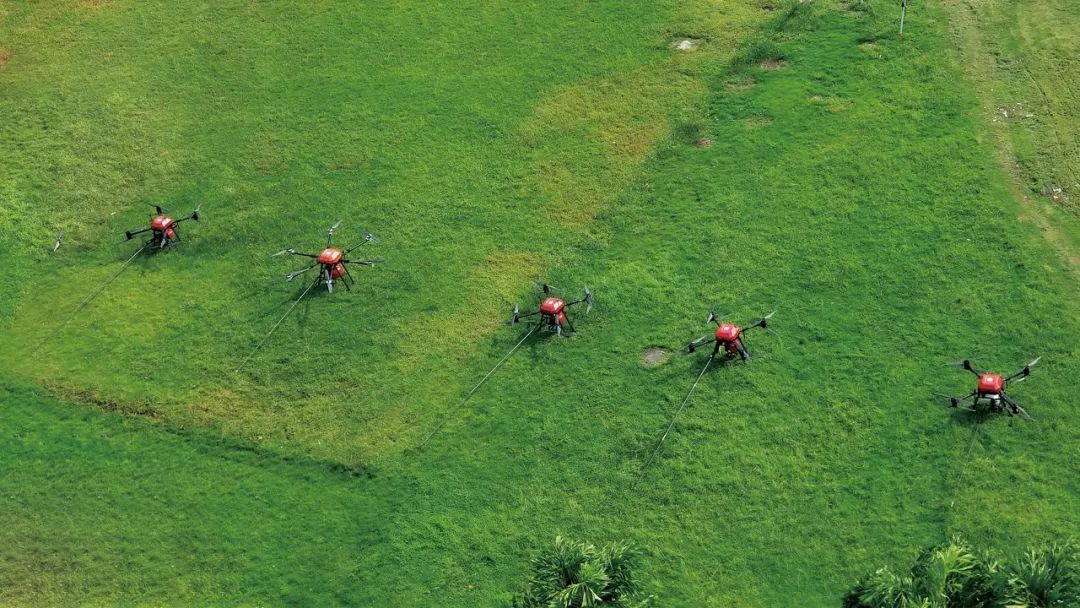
x: 478, y: 142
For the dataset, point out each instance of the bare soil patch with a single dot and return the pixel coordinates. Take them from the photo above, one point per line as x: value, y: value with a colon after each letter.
x: 704, y: 143
x: 686, y: 44
x: 735, y: 86
x: 654, y: 356
x: 5, y: 55
x: 773, y: 64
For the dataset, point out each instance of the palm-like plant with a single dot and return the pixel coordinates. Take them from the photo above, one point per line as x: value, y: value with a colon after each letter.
x: 1046, y: 578
x: 951, y: 575
x: 954, y: 575
x: 580, y: 575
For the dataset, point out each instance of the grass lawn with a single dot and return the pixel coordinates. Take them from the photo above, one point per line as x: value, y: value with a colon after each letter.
x: 852, y: 183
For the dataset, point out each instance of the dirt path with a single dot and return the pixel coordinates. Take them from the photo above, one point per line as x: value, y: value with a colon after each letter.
x: 967, y: 23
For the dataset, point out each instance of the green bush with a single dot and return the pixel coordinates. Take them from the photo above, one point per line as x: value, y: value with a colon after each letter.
x: 954, y: 575
x: 578, y: 575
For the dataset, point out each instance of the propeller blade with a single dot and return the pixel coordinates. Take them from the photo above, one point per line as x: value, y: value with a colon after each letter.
x: 715, y: 318
x: 294, y: 274
x: 964, y: 364
x: 947, y: 400
x: 1014, y: 407
x: 365, y: 262
x: 157, y: 208
x: 588, y: 300
x: 763, y: 321
x: 694, y: 344
x: 515, y: 315
x: 368, y: 238
x: 195, y: 214
x: 330, y: 232
x: 544, y: 287
x: 59, y: 237
x: 283, y: 252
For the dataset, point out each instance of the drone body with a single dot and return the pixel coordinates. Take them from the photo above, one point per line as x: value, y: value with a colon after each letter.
x: 162, y: 229
x: 552, y: 311
x: 330, y: 258
x: 989, y: 393
x: 728, y: 337
x: 331, y: 262
x: 555, y: 310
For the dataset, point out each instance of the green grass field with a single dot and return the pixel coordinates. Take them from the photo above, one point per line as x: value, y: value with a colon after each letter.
x: 860, y: 189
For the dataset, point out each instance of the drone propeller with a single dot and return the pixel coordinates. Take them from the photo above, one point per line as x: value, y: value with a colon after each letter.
x: 954, y: 402
x: 365, y: 262
x: 515, y: 315
x: 1023, y: 373
x: 130, y: 234
x: 194, y: 214
x: 368, y: 238
x: 330, y: 232
x: 763, y: 322
x: 964, y: 364
x: 588, y: 300
x: 693, y: 345
x: 544, y: 287
x: 158, y: 208
x: 59, y: 236
x: 1014, y: 408
x: 283, y: 252
x: 293, y: 275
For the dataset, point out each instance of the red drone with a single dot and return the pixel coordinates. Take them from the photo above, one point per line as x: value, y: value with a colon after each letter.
x: 332, y: 261
x: 162, y: 226
x: 990, y: 390
x: 729, y: 337
x: 552, y: 311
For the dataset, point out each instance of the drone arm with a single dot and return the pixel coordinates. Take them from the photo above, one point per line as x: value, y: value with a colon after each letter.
x: 968, y: 367
x: 130, y: 234
x: 364, y: 262
x: 1016, y: 407
x: 956, y: 401
x: 702, y: 341
x: 293, y: 275
x: 763, y: 322
x: 366, y: 240
x: 1022, y: 373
